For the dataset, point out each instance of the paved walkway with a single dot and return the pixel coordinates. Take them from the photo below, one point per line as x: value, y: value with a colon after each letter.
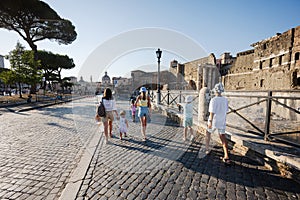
x: 164, y: 167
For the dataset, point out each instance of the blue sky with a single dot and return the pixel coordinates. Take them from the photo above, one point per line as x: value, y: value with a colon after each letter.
x: 216, y: 26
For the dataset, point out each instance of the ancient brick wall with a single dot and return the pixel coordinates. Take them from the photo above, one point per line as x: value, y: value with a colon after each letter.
x: 271, y: 65
x: 296, y: 46
x: 141, y: 78
x: 194, y: 70
x: 273, y: 79
x: 295, y: 66
x: 244, y: 62
x: 274, y: 51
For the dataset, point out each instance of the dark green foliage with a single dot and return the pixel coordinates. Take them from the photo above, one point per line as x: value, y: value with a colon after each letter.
x: 34, y: 20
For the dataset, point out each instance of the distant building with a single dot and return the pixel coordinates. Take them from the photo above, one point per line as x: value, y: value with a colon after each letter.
x: 73, y: 79
x: 104, y: 83
x: 83, y: 87
x: 106, y: 79
x: 225, y: 63
x: 147, y: 79
x: 195, y: 74
x: 121, y: 81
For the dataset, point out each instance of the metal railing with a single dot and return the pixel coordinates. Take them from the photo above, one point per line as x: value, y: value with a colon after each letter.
x: 274, y: 115
x: 274, y: 123
x: 172, y: 98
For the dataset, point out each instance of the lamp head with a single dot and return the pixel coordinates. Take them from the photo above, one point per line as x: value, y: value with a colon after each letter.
x: 158, y: 53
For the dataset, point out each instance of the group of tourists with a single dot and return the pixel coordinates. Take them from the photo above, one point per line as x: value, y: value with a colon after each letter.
x: 218, y: 108
x: 144, y: 110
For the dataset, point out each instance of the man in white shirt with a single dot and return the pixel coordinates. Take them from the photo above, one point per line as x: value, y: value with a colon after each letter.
x: 218, y: 108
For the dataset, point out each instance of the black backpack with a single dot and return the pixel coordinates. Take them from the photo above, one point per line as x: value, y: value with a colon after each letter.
x: 101, y: 110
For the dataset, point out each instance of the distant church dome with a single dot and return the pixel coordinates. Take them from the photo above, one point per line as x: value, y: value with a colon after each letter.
x: 105, y: 78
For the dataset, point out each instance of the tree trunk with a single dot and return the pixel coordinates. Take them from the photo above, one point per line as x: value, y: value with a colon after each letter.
x: 35, y: 52
x: 20, y: 90
x: 61, y: 82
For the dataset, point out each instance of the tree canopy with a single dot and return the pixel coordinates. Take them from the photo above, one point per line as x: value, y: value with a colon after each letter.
x: 34, y: 21
x: 53, y: 64
x: 22, y: 68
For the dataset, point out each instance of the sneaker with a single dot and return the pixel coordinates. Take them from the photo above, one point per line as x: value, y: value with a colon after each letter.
x: 192, y: 138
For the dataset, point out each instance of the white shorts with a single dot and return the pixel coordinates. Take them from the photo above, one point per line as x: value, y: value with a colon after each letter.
x: 212, y: 130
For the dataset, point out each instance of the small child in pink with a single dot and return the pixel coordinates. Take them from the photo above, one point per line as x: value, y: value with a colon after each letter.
x: 133, y: 110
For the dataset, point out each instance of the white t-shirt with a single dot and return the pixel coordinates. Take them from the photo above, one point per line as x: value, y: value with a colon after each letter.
x: 187, y: 110
x: 109, y: 105
x: 219, y: 106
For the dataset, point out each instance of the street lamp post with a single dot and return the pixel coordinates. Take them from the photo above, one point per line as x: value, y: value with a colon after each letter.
x: 158, y: 55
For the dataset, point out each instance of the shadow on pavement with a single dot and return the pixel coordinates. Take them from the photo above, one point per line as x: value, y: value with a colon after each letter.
x: 242, y: 171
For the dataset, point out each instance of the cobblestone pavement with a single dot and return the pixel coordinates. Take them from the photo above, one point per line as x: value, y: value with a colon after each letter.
x: 41, y: 148
x: 165, y: 167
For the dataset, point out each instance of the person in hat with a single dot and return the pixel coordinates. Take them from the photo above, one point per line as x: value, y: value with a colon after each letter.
x: 187, y: 117
x: 144, y: 103
x: 218, y: 107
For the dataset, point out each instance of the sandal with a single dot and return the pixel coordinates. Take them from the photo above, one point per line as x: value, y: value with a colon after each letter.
x: 226, y: 161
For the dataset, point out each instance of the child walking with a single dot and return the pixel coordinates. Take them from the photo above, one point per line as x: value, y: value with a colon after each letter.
x: 123, y: 125
x: 133, y: 109
x: 218, y: 107
x: 187, y: 117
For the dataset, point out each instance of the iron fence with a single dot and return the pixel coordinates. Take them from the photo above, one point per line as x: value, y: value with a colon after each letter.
x: 274, y: 115
x: 172, y: 98
x: 274, y: 118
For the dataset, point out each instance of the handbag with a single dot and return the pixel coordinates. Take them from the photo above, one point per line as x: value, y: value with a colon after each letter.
x: 101, y: 110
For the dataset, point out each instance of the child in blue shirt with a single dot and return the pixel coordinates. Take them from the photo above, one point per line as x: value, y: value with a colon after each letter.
x: 187, y: 117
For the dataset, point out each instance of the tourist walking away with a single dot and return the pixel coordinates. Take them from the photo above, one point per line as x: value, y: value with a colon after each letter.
x: 218, y: 107
x: 123, y: 124
x: 110, y: 108
x: 187, y: 117
x: 133, y: 109
x: 143, y: 101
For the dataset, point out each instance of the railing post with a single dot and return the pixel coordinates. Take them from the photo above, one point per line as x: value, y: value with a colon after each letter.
x: 152, y: 99
x: 268, y: 116
x: 180, y: 96
x: 168, y: 99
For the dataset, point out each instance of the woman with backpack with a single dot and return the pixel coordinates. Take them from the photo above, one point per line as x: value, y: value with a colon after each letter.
x: 110, y: 108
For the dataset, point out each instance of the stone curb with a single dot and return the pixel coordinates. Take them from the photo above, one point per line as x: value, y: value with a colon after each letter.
x: 23, y: 107
x: 77, y: 177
